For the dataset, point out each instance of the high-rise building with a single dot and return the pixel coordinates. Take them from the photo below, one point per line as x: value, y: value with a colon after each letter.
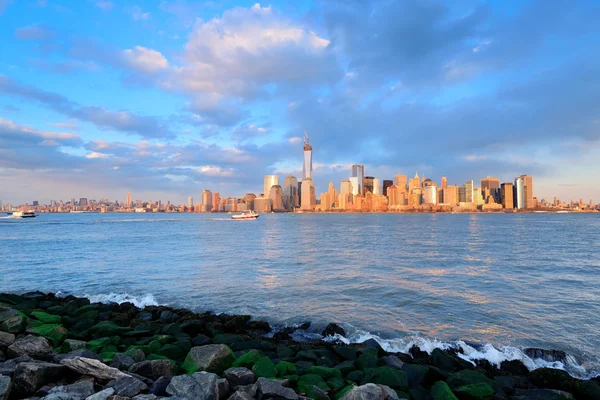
x: 346, y: 187
x: 469, y: 191
x: 392, y: 195
x: 400, y: 181
x: 290, y: 192
x: 262, y: 204
x: 270, y: 180
x: 190, y: 201
x: 430, y: 194
x: 444, y: 182
x: 127, y: 200
x: 249, y: 198
x: 506, y: 195
x: 276, y: 196
x: 73, y: 200
x: 307, y: 164
x: 528, y: 191
x: 358, y: 171
x: 451, y: 195
x: 356, y: 185
x: 216, y: 205
x: 308, y: 195
x: 519, y: 193
x: 368, y: 185
x: 386, y: 184
x: 377, y: 186
x: 83, y: 202
x: 206, y: 200
x: 414, y: 183
x: 332, y: 194
x: 462, y: 194
x: 491, y: 187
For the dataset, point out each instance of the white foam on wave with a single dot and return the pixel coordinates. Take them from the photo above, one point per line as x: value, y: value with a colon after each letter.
x: 467, y: 352
x: 138, y: 301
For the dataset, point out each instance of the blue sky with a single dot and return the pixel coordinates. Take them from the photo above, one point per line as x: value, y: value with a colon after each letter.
x: 166, y: 98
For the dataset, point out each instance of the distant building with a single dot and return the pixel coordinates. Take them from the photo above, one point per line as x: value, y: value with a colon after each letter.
x: 249, y: 198
x: 206, y: 200
x: 262, y: 204
x: 528, y: 191
x: 506, y: 195
x: 430, y: 194
x: 190, y: 201
x: 377, y: 186
x: 400, y: 181
x: 386, y: 184
x: 469, y: 191
x: 519, y: 193
x: 307, y: 162
x: 491, y: 187
x: 392, y: 195
x: 83, y: 202
x: 444, y: 182
x: 358, y: 171
x: 290, y: 193
x: 276, y: 196
x: 415, y: 183
x: 368, y: 184
x: 356, y: 185
x: 127, y: 200
x: 308, y: 202
x: 462, y: 194
x: 270, y: 180
x: 36, y: 203
x: 216, y: 205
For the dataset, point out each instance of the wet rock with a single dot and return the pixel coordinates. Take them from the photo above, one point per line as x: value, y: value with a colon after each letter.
x: 367, y: 360
x: 76, y: 353
x: 127, y: 386
x: 36, y: 347
x: 306, y: 383
x: 248, y: 390
x: 153, y: 369
x: 509, y: 383
x: 347, y: 353
x: 476, y: 391
x: 5, y: 382
x: 198, y: 386
x: 262, y: 326
x: 72, y: 345
x: 388, y: 393
x: 222, y: 388
x: 6, y: 339
x: 264, y: 368
x: 137, y: 355
x: 2, y: 357
x: 56, y: 334
x: 122, y: 361
x: 356, y: 376
x: 284, y: 368
x: 541, y: 394
x: 45, y: 317
x: 102, y: 395
x: 239, y: 376
x: 549, y: 378
x: 211, y: 358
x: 108, y: 328
x: 8, y: 367
x: 95, y: 368
x: 30, y: 376
x: 333, y: 329
x: 392, y: 362
x: 201, y: 340
x: 391, y: 377
x: 441, y: 391
x: 159, y: 387
x: 514, y: 367
x: 318, y: 394
x: 240, y: 396
x: 270, y: 389
x: 370, y: 391
x: 546, y: 355
x: 445, y: 361
x: 76, y: 391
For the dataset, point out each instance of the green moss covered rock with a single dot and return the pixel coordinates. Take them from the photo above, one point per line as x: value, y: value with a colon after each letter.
x: 441, y: 391
x: 45, y: 317
x: 249, y: 359
x: 476, y: 391
x: 264, y: 368
x: 284, y: 368
x: 306, y: 383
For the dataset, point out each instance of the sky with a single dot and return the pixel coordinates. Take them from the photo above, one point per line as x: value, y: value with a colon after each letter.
x: 166, y: 98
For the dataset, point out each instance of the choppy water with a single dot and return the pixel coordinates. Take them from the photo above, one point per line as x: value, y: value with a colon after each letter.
x: 513, y: 281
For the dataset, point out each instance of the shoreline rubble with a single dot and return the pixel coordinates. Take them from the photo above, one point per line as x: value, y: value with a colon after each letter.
x: 67, y: 348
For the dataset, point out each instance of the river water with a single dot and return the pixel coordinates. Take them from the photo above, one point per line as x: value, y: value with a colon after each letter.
x: 491, y: 284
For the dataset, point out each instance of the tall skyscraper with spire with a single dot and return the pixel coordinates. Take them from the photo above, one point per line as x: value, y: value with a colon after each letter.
x: 309, y: 197
x: 307, y: 165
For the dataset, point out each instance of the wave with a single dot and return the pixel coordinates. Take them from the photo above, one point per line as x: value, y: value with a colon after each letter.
x: 138, y: 301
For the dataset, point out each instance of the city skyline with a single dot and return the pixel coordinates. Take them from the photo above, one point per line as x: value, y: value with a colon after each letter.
x: 167, y: 98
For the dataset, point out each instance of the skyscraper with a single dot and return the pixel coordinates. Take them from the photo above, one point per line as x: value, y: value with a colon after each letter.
x: 127, y: 201
x: 386, y: 184
x: 358, y: 171
x: 414, y: 182
x: 308, y: 195
x: 190, y: 201
x: 430, y: 194
x: 307, y: 164
x: 491, y: 187
x: 355, y: 184
x: 506, y: 195
x: 519, y: 193
x: 270, y: 180
x: 469, y: 191
x: 377, y: 186
x: 528, y: 193
x: 444, y: 182
x: 276, y: 196
x: 206, y: 200
x: 368, y: 184
x: 216, y: 202
x: 451, y: 195
x: 83, y: 202
x: 290, y: 192
x: 400, y: 181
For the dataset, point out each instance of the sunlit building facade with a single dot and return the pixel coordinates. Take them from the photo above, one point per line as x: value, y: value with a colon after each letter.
x: 269, y: 181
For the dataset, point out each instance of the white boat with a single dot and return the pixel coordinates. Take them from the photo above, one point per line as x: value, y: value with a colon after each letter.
x: 24, y: 214
x: 562, y: 212
x: 245, y: 215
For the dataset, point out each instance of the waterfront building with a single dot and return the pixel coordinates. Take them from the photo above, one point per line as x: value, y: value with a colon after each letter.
x: 392, y: 195
x: 346, y: 187
x: 332, y: 193
x: 307, y: 161
x: 415, y: 197
x: 356, y: 185
x: 300, y: 194
x: 429, y: 194
x: 206, y: 200
x: 368, y: 184
x: 478, y: 197
x: 444, y: 182
x: 190, y: 201
x: 469, y: 191
x: 491, y: 187
x: 528, y: 196
x: 262, y: 204
x: 377, y: 186
x: 276, y: 196
x: 462, y: 194
x: 308, y: 202
x: 83, y: 202
x: 414, y: 183
x: 451, y: 195
x: 440, y: 195
x: 127, y: 200
x: 400, y: 181
x: 519, y: 193
x: 358, y: 171
x: 216, y: 202
x: 401, y: 196
x: 249, y: 199
x: 290, y: 192
x: 386, y: 184
x: 269, y: 180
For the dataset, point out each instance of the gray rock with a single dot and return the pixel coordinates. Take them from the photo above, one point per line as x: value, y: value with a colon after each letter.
x: 72, y: 344
x: 370, y: 391
x: 248, y: 390
x: 127, y: 386
x: 159, y: 387
x: 7, y: 313
x: 137, y: 355
x: 76, y: 391
x: 4, y: 387
x: 102, y: 395
x: 145, y: 397
x: 6, y: 339
x: 211, y: 358
x: 319, y: 394
x: 198, y: 386
x: 240, y: 396
x: 153, y: 369
x: 76, y: 353
x: 541, y: 394
x: 388, y: 393
x: 240, y: 376
x: 392, y: 362
x: 36, y: 347
x: 122, y: 361
x: 2, y: 357
x: 14, y: 324
x: 95, y: 368
x: 8, y: 367
x: 117, y: 397
x: 30, y: 376
x: 270, y: 389
x: 222, y: 388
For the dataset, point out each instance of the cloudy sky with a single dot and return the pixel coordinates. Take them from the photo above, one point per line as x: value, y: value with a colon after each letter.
x: 166, y: 98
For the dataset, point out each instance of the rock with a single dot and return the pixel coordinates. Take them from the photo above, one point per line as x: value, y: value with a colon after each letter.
x: 102, y: 395
x: 306, y: 383
x: 36, y: 347
x: 77, y: 353
x: 367, y: 360
x: 270, y: 389
x: 2, y: 357
x: 318, y: 394
x: 222, y: 388
x: 346, y: 366
x: 159, y: 387
x: 347, y: 353
x: 396, y: 379
x: 541, y: 394
x: 441, y: 391
x: 388, y: 393
x: 549, y: 378
x: 127, y: 386
x: 116, y: 397
x: 476, y: 391
x: 56, y: 334
x: 45, y: 317
x: 153, y: 369
x: 30, y: 376
x: 307, y: 355
x: 145, y: 397
x: 8, y: 367
x: 468, y: 377
x: 122, y: 361
x: 14, y: 324
x: 546, y: 355
x: 392, y: 362
x: 198, y: 386
x: 211, y: 358
x: 446, y: 362
x: 76, y: 391
x: 240, y: 396
x: 137, y: 355
x: 370, y: 391
x: 264, y: 368
x: 284, y: 368
x: 416, y: 374
x: 325, y: 372
x: 356, y: 376
x: 509, y: 383
x: 7, y: 313
x: 248, y: 390
x: 262, y: 326
x: 6, y: 339
x: 333, y: 329
x: 587, y: 390
x: 514, y: 367
x: 240, y: 376
x: 201, y: 340
x: 95, y: 368
x: 108, y: 328
x: 4, y: 387
x: 72, y: 345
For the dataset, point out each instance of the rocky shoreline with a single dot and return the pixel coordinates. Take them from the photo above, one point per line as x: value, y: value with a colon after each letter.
x: 69, y: 349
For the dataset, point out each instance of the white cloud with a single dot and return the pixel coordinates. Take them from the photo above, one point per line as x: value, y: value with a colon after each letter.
x: 65, y: 124
x: 474, y: 157
x: 138, y: 14
x: 295, y: 140
x: 95, y: 154
x: 105, y: 5
x: 144, y: 59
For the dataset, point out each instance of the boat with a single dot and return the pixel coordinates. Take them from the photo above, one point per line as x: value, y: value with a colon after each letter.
x: 79, y: 212
x: 24, y: 214
x: 562, y: 212
x: 245, y: 215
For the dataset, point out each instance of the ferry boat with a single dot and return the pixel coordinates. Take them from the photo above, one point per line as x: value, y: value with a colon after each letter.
x: 24, y: 214
x: 245, y: 215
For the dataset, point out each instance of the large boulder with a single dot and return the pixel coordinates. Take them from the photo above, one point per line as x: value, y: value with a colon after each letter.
x: 15, y: 324
x: 91, y: 367
x: 56, y: 334
x: 72, y: 344
x: 391, y: 377
x: 239, y: 376
x: 77, y: 391
x: 541, y: 394
x: 370, y: 391
x: 446, y: 362
x: 122, y: 361
x: 4, y: 387
x: 475, y: 391
x: 270, y: 389
x: 127, y: 386
x: 6, y: 339
x: 333, y: 329
x: 36, y: 347
x: 108, y: 328
x: 102, y: 395
x: 8, y: 367
x: 264, y: 368
x: 441, y: 391
x: 550, y: 378
x: 45, y: 317
x: 198, y: 386
x: 159, y: 387
x: 468, y: 377
x: 211, y: 358
x: 30, y: 376
x: 306, y: 383
x: 153, y: 369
